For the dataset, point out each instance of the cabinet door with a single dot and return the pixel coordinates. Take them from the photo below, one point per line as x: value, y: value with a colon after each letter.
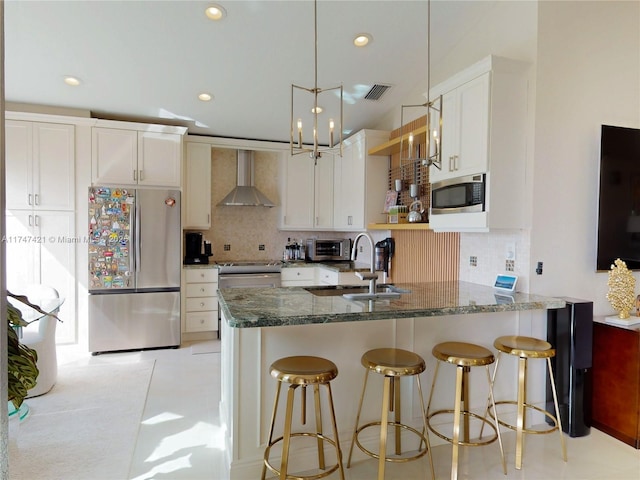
x: 41, y: 248
x: 114, y: 156
x: 159, y: 159
x: 350, y: 186
x: 473, y: 128
x: 465, y: 130
x: 19, y: 165
x: 53, y: 166
x: 57, y: 264
x: 298, y: 196
x: 323, y: 198
x: 198, y: 186
x: 22, y: 250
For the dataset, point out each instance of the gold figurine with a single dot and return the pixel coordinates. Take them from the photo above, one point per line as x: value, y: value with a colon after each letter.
x: 622, y: 286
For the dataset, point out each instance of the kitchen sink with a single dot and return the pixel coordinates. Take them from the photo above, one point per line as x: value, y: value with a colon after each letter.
x: 357, y: 292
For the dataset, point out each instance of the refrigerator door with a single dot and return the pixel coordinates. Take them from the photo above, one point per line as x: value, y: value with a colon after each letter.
x: 157, y: 240
x: 111, y: 213
x: 133, y: 321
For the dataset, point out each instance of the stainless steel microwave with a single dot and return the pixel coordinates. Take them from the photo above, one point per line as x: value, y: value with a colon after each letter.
x: 464, y: 194
x: 336, y: 250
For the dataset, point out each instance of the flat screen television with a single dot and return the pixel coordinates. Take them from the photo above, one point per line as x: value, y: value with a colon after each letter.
x: 619, y: 200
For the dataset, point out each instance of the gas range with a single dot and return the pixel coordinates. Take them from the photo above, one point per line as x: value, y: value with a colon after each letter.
x: 249, y: 266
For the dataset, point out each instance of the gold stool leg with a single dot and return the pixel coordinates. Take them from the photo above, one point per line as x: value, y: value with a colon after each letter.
x: 522, y: 376
x: 287, y: 433
x: 425, y: 430
x: 335, y: 430
x: 316, y: 396
x: 492, y: 381
x: 456, y: 423
x: 355, y: 430
x: 433, y: 384
x: 397, y: 409
x: 273, y: 422
x: 555, y: 404
x: 383, y: 427
x: 465, y: 403
x: 495, y: 414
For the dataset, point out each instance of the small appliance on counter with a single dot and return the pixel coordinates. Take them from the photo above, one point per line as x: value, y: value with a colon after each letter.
x: 384, y: 252
x: 193, y: 249
x: 329, y: 250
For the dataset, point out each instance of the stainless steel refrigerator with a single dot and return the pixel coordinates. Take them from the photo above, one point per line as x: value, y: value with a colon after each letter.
x: 134, y: 269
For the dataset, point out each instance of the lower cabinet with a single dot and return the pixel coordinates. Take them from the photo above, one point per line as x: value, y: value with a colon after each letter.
x: 201, y: 300
x: 616, y: 382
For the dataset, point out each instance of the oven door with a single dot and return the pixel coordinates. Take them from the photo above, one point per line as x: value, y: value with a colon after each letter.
x: 458, y: 195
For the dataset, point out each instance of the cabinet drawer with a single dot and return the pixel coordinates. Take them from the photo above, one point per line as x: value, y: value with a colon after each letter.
x: 298, y: 274
x: 202, y: 304
x: 194, y: 275
x: 202, y: 289
x: 201, y: 322
x: 328, y: 277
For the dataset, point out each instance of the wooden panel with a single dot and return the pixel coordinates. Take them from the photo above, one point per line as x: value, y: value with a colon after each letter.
x: 425, y: 256
x: 616, y: 382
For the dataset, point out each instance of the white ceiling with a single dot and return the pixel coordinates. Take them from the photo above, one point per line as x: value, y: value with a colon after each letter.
x: 148, y: 60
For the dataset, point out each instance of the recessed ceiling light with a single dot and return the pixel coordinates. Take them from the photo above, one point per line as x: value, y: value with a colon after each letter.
x: 73, y: 81
x: 215, y: 12
x: 362, y: 39
x: 205, y: 97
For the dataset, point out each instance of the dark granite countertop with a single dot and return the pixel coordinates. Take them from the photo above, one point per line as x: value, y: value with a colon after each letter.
x: 271, y: 307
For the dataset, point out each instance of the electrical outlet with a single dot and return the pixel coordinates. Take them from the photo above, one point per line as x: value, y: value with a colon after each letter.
x: 361, y: 250
x: 473, y: 261
x: 539, y: 268
x: 510, y: 251
x: 227, y: 247
x: 510, y: 265
x: 261, y: 247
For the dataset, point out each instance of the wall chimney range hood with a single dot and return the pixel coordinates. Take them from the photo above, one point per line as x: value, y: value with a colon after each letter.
x: 245, y: 193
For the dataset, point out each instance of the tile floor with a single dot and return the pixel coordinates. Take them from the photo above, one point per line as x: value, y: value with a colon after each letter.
x: 180, y: 437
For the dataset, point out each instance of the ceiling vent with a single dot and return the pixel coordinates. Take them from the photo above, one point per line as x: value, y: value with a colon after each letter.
x: 377, y: 91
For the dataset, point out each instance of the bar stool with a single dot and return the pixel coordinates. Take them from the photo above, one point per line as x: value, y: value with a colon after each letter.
x: 302, y: 371
x: 464, y: 356
x: 526, y: 348
x: 393, y: 363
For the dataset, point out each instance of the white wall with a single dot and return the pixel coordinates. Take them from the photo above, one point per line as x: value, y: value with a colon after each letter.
x: 588, y: 75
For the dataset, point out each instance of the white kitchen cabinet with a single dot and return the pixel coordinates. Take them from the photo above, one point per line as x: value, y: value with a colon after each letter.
x: 197, y: 189
x: 485, y: 131
x: 40, y: 161
x: 360, y: 182
x: 130, y: 157
x: 298, y: 276
x: 40, y: 247
x: 307, y: 193
x: 465, y: 130
x: 201, y: 299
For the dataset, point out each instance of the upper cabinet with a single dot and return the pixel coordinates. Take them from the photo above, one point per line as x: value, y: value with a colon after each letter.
x: 307, y: 193
x: 484, y: 130
x: 127, y: 156
x: 360, y: 182
x: 40, y: 159
x: 197, y: 186
x: 465, y: 127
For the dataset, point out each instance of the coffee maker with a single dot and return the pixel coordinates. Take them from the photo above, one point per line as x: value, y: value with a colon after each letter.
x: 193, y: 249
x: 383, y: 253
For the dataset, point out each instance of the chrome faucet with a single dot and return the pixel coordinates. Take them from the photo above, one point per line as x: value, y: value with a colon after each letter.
x: 372, y: 276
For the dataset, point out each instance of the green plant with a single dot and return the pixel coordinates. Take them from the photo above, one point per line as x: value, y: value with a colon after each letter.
x: 22, y: 360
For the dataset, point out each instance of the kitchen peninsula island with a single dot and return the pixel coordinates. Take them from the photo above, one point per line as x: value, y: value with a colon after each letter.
x: 263, y: 324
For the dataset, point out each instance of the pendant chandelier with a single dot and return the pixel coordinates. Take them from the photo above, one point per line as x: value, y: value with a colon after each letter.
x: 326, y: 137
x: 432, y: 131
